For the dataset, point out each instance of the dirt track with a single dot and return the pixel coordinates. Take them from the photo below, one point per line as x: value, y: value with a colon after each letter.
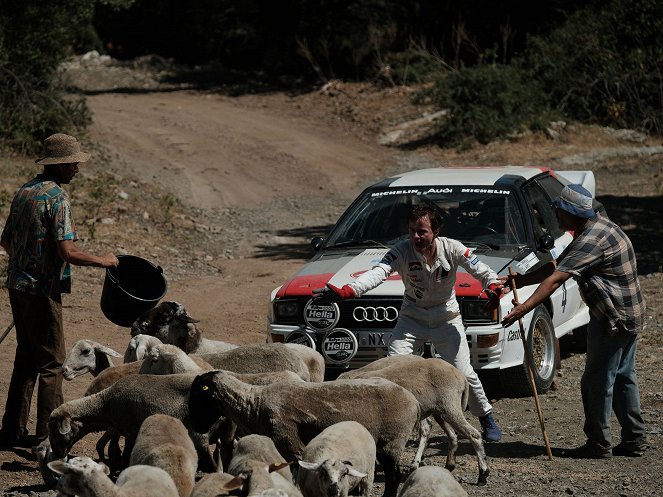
x: 281, y: 167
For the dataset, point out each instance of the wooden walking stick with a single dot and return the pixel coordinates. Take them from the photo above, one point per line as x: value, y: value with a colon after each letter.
x: 528, y: 364
x: 6, y: 332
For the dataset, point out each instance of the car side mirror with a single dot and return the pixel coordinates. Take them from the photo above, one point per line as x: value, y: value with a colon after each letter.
x: 546, y: 242
x: 316, y: 242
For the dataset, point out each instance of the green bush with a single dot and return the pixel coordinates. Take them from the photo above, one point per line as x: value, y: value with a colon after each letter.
x: 487, y: 102
x: 605, y: 65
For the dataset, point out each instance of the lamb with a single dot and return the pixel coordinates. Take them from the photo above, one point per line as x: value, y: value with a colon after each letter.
x: 83, y: 477
x: 123, y: 407
x: 442, y: 391
x: 164, y: 442
x: 170, y: 323
x: 256, y: 458
x: 87, y: 356
x: 218, y: 485
x: 431, y: 480
x: 338, y: 460
x: 293, y: 413
x: 139, y: 346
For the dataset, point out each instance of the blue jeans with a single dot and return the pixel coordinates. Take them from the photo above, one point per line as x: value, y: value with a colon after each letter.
x: 610, y: 383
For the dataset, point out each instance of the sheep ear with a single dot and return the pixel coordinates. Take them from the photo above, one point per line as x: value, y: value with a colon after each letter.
x: 276, y: 466
x: 65, y: 425
x: 106, y: 350
x: 234, y: 484
x: 353, y: 472
x: 311, y: 466
x: 59, y: 467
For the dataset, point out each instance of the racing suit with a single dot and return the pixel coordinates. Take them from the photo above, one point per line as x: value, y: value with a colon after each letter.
x: 430, y: 311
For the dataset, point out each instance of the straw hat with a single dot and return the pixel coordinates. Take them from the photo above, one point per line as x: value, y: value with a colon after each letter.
x: 62, y: 149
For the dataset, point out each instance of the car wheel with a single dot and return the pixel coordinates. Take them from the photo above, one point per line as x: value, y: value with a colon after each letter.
x: 542, y: 351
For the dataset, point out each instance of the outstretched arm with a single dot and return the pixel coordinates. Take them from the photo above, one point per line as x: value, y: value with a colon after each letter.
x: 543, y: 291
x: 68, y: 252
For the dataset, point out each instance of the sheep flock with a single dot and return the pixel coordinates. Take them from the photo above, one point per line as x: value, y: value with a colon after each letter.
x: 183, y: 415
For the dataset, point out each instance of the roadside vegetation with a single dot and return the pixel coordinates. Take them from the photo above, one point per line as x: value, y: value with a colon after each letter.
x: 498, y: 69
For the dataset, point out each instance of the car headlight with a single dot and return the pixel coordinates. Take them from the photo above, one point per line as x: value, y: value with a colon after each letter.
x: 286, y: 309
x: 473, y: 312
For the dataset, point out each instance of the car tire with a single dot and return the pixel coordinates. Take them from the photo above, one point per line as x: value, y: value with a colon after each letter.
x: 542, y: 352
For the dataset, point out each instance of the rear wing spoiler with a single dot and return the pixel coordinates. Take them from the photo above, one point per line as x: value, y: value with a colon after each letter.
x: 584, y: 178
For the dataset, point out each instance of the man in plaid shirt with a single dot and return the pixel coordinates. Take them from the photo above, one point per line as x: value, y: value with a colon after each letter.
x: 602, y: 259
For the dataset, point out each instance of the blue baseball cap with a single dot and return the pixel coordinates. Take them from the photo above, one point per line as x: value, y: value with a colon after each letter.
x: 576, y: 200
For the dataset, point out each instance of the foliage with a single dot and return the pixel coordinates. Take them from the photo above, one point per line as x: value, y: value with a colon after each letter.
x: 605, y: 65
x: 34, y: 38
x: 487, y: 102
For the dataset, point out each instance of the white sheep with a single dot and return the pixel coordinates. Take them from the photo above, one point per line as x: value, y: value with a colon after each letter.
x: 442, y: 391
x: 83, y: 477
x: 429, y: 481
x: 218, y: 485
x: 164, y: 442
x: 170, y: 323
x: 87, y: 356
x: 338, y: 460
x: 293, y: 413
x: 139, y: 346
x: 123, y: 407
x: 258, y: 448
x: 164, y: 358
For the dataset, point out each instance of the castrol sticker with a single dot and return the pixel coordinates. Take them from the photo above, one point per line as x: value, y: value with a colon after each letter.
x: 339, y: 346
x: 321, y: 316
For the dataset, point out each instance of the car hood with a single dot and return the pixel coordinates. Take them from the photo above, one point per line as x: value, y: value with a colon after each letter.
x: 342, y: 267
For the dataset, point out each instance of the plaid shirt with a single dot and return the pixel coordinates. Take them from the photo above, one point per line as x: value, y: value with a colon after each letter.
x: 40, y: 215
x: 602, y: 258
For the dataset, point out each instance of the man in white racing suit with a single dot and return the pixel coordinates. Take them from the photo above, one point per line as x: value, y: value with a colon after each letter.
x: 427, y: 264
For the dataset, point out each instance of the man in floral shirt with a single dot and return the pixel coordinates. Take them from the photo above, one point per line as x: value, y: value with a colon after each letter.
x: 39, y: 237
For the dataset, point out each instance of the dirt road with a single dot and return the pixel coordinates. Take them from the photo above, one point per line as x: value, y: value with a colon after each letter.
x: 272, y: 169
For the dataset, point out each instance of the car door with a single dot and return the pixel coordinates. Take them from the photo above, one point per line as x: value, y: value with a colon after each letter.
x: 539, y: 193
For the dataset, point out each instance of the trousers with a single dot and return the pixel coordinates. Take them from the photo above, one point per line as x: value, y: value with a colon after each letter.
x: 40, y: 352
x: 450, y: 343
x: 609, y: 383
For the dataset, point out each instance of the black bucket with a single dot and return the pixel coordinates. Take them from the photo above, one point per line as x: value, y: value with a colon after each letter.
x: 130, y: 289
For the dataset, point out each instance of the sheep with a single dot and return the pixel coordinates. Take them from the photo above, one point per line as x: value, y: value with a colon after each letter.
x: 163, y: 442
x: 170, y: 323
x: 170, y: 359
x: 257, y: 448
x: 293, y: 413
x: 218, y: 485
x: 83, y: 477
x: 338, y: 460
x: 139, y: 346
x: 431, y: 480
x: 123, y: 407
x: 260, y: 358
x: 442, y: 391
x: 87, y: 356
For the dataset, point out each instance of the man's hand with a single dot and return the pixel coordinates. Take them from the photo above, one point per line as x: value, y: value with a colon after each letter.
x: 516, y: 313
x: 493, y: 293
x: 109, y: 260
x: 333, y: 293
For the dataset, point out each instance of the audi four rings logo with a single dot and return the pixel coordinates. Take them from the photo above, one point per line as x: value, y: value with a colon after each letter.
x: 371, y: 314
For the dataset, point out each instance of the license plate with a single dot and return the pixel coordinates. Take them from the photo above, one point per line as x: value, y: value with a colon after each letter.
x: 373, y: 338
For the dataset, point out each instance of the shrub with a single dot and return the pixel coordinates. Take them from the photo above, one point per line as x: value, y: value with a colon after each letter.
x: 487, y: 102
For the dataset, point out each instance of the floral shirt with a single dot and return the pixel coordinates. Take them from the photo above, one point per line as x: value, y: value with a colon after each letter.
x: 40, y: 215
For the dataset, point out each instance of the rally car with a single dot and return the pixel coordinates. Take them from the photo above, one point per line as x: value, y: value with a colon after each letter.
x: 503, y: 214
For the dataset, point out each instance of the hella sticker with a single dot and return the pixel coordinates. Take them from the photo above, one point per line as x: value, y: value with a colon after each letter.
x: 300, y: 337
x: 321, y: 316
x: 339, y: 346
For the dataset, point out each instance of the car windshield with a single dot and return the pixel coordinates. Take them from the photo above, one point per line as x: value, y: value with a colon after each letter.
x: 476, y: 215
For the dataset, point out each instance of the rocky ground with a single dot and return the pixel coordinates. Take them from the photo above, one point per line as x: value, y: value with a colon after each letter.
x: 224, y: 185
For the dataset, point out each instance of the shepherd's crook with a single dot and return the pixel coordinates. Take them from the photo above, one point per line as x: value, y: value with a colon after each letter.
x: 6, y: 332
x: 529, y: 365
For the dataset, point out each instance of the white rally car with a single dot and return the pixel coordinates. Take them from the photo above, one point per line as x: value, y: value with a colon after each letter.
x: 503, y: 213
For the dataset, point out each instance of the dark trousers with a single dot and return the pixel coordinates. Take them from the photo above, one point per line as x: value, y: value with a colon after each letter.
x: 40, y: 352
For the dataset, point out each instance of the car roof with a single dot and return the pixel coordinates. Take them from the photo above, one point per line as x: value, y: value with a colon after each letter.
x: 460, y: 176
